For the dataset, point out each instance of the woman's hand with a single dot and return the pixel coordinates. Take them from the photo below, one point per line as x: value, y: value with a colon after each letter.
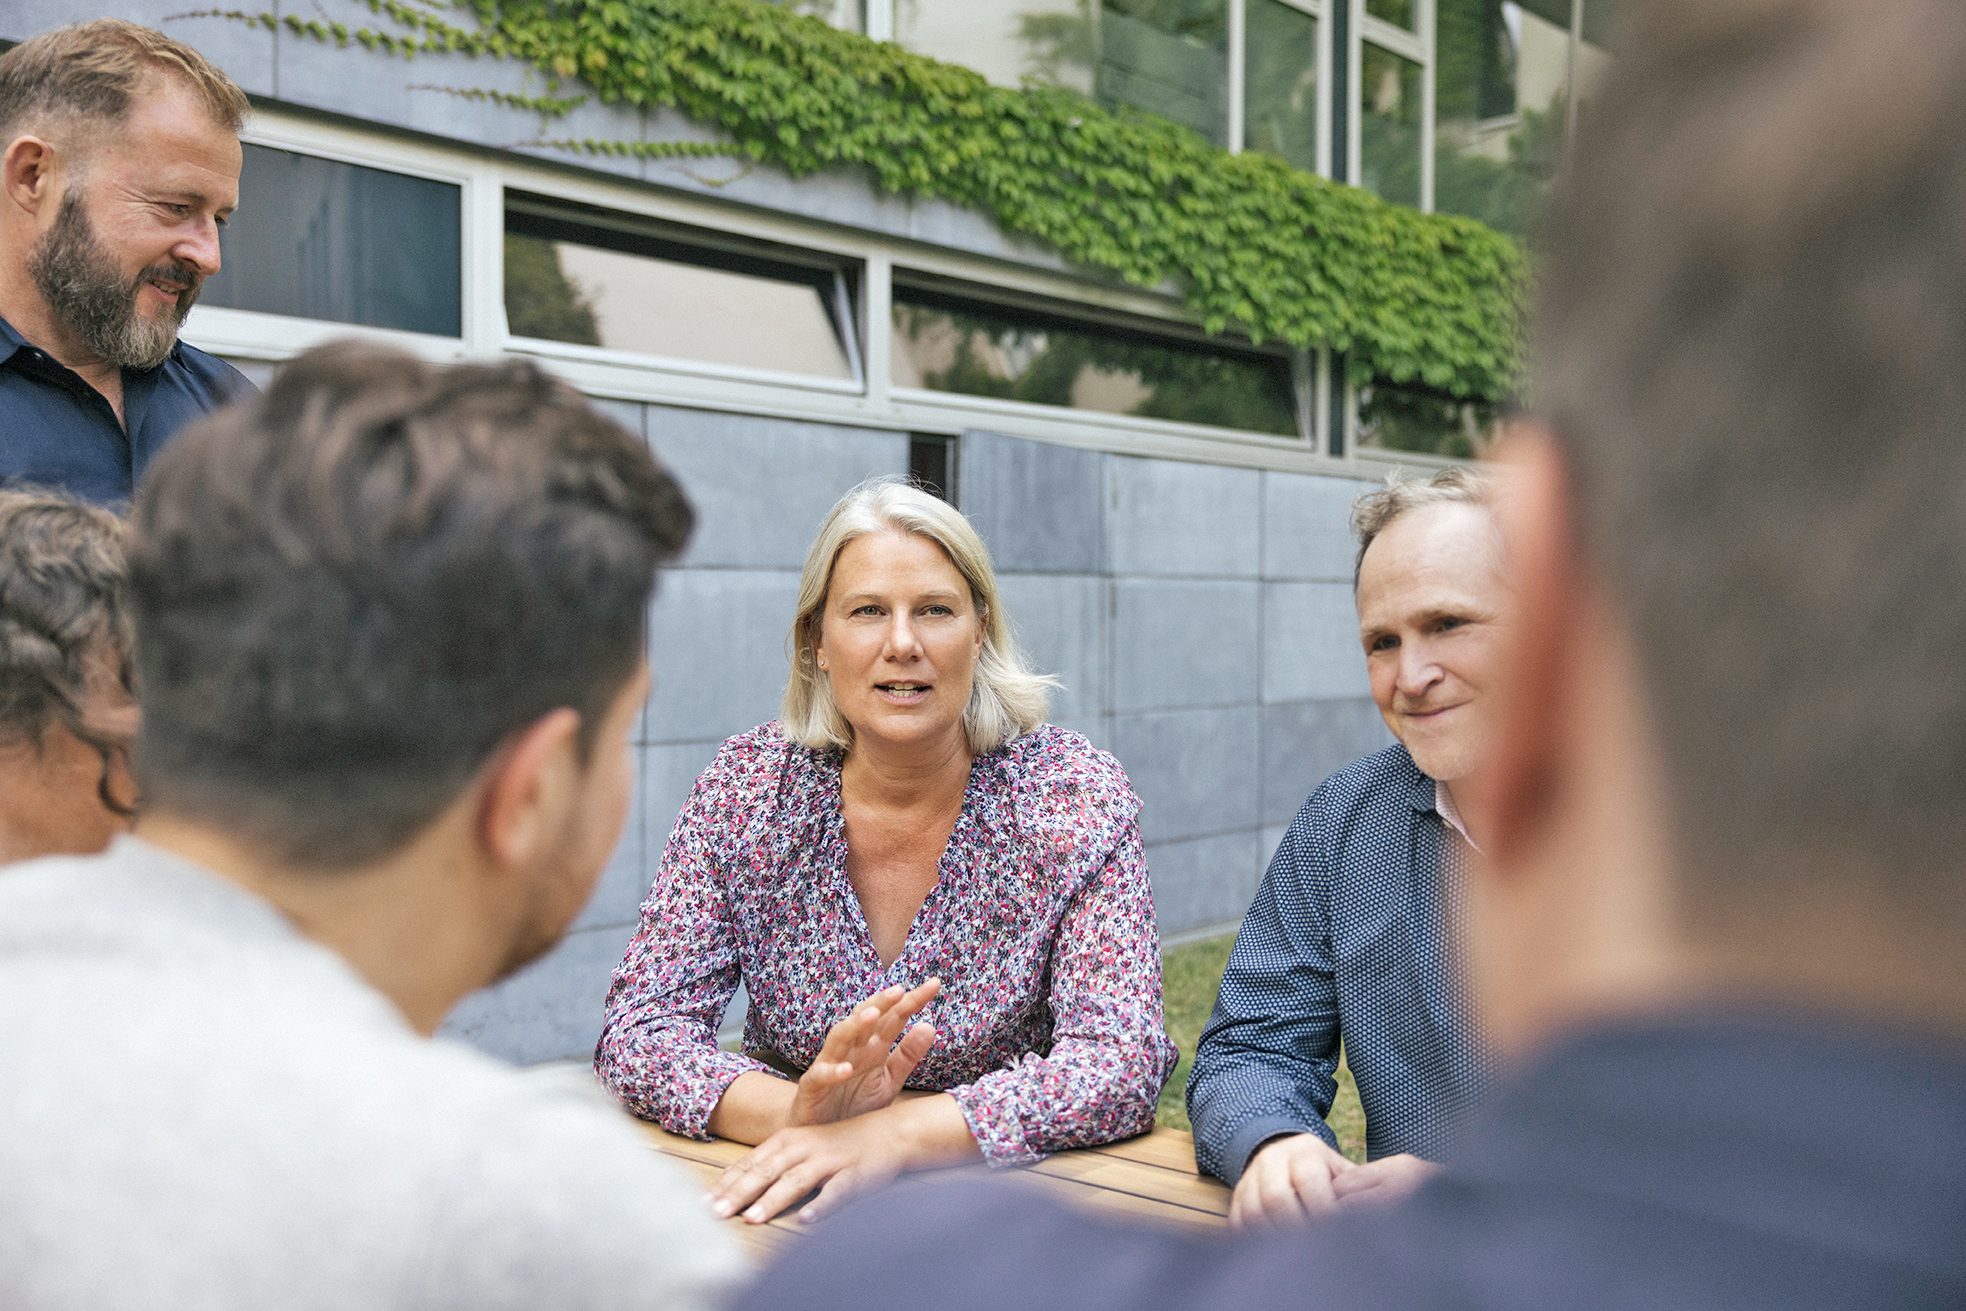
x: 842, y: 1158
x: 860, y: 1068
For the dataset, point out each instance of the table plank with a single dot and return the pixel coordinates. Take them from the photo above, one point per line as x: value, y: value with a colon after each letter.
x: 1152, y: 1182
x: 1169, y: 1148
x: 1150, y: 1178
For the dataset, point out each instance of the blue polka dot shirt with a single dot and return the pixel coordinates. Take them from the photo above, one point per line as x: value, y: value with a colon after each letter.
x: 1347, y: 940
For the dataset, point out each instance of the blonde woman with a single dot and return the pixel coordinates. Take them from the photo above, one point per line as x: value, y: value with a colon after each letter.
x: 909, y: 842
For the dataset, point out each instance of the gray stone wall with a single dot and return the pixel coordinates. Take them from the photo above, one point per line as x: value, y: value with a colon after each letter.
x: 1200, y: 617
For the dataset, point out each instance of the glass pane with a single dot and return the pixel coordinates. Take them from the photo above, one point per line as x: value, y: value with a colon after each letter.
x: 947, y: 345
x: 1169, y: 57
x: 847, y: 14
x: 1500, y: 100
x: 1393, y: 11
x: 566, y: 291
x: 1280, y: 107
x: 1008, y: 41
x: 1410, y: 418
x: 319, y: 239
x: 1389, y: 125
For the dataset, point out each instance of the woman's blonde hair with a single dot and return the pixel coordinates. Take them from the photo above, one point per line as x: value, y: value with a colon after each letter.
x: 1006, y: 700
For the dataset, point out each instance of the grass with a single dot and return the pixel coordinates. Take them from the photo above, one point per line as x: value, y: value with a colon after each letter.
x: 1191, y: 974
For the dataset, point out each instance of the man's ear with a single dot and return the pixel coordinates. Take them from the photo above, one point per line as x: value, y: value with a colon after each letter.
x: 528, y: 787
x: 28, y: 171
x: 1538, y: 526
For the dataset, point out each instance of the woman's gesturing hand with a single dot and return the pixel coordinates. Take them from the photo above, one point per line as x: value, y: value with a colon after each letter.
x: 859, y: 1068
x: 842, y: 1158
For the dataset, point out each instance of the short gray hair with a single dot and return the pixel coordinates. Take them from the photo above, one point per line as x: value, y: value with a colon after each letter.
x: 1006, y: 699
x: 1374, y: 511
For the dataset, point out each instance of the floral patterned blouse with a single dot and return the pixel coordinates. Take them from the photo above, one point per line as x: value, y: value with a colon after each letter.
x: 1048, y: 1028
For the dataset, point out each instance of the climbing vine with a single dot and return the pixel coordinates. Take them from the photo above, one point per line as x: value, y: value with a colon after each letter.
x: 1431, y: 299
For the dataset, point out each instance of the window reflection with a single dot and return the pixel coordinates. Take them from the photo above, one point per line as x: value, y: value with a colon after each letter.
x: 1409, y: 417
x: 1389, y: 125
x: 1280, y: 114
x: 1501, y: 96
x: 670, y: 305
x: 1170, y: 57
x: 1398, y: 12
x: 1008, y: 41
x: 848, y: 14
x: 950, y: 344
x: 318, y: 239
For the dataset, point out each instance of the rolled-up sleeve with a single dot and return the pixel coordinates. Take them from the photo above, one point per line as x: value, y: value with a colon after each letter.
x: 1267, y: 1061
x: 658, y: 1049
x: 1110, y: 1054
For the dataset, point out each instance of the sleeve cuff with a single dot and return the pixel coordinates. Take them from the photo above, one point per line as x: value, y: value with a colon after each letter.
x: 1235, y: 1158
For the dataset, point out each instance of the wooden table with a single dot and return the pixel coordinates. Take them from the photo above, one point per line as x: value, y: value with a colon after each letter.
x: 1150, y: 1178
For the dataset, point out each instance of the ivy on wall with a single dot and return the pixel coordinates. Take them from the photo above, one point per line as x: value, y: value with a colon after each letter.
x: 1430, y: 299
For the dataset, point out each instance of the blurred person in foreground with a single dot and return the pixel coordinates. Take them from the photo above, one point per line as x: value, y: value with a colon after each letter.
x: 390, y: 642
x: 1720, y: 926
x: 909, y: 838
x: 1350, y: 942
x: 67, y: 713
x: 119, y: 163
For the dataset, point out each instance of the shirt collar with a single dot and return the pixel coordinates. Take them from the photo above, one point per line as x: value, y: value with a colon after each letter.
x: 1444, y: 806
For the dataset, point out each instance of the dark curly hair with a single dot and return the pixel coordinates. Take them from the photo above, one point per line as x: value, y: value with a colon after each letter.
x: 64, y: 600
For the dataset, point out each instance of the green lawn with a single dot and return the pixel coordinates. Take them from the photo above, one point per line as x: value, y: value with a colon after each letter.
x: 1191, y: 974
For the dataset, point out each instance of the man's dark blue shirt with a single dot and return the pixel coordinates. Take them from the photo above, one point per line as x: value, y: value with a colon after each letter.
x: 1347, y: 941
x: 1689, y: 1163
x: 57, y: 431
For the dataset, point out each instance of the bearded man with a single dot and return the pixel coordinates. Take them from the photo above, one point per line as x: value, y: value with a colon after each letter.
x: 121, y: 162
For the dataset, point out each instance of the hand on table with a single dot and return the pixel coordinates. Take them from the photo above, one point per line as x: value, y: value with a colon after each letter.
x: 842, y: 1158
x: 1289, y: 1180
x: 860, y: 1068
x: 1385, y: 1180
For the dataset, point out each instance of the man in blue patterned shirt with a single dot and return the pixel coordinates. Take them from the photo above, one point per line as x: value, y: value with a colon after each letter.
x: 1348, y: 937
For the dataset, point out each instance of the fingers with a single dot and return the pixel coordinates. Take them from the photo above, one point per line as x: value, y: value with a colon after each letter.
x: 1310, y: 1182
x: 901, y: 1062
x: 765, y: 1181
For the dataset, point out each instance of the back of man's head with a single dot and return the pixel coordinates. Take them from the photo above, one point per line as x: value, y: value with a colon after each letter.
x: 92, y: 72
x: 1750, y: 343
x: 351, y: 592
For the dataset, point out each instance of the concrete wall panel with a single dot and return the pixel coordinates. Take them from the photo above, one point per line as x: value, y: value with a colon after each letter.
x: 1304, y: 743
x: 1310, y: 643
x: 1191, y: 768
x: 1178, y: 642
x: 762, y: 486
x: 1204, y: 881
x: 1166, y: 517
x: 1306, y: 532
x: 245, y: 53
x: 717, y: 640
x: 1061, y: 625
x: 1037, y: 506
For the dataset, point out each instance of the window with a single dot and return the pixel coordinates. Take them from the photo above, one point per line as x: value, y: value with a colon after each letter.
x: 1389, y: 136
x: 592, y: 278
x: 1170, y: 57
x: 1409, y: 417
x: 1280, y: 83
x: 1007, y: 41
x: 1397, y: 12
x: 932, y: 465
x: 319, y: 239
x: 955, y: 340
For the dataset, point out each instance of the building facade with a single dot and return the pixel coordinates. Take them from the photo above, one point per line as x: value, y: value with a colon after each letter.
x: 1167, y: 509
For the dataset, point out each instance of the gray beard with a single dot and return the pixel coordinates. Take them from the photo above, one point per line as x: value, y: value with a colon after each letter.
x: 76, y: 275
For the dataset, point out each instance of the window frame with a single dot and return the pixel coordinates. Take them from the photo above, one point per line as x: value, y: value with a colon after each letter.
x: 259, y: 335
x: 843, y: 307
x: 1302, y: 368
